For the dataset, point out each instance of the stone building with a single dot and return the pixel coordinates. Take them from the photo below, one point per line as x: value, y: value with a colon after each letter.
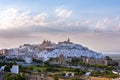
x: 3, y: 52
x: 65, y: 42
x: 61, y: 59
x: 44, y: 44
x: 94, y: 61
x: 112, y: 62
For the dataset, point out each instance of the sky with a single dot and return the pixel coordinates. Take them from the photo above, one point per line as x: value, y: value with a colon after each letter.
x: 91, y: 23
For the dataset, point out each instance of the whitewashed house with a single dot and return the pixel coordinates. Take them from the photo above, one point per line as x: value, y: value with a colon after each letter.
x: 15, y: 69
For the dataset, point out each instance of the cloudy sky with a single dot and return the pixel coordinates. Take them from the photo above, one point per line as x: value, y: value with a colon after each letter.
x: 92, y: 23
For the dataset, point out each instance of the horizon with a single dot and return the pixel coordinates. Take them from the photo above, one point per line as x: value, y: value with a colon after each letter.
x: 94, y: 24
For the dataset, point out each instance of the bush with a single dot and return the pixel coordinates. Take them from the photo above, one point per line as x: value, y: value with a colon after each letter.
x: 7, y: 68
x: 74, y: 79
x: 10, y: 76
x: 62, y: 74
x: 111, y: 76
x: 55, y: 77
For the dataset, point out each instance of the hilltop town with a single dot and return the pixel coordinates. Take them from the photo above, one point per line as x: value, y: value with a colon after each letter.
x: 47, y: 50
x: 66, y: 57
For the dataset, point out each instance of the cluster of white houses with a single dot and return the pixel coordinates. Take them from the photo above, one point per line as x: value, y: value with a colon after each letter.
x: 62, y: 50
x: 62, y: 59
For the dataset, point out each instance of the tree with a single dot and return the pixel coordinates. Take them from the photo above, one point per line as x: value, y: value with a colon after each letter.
x: 46, y: 64
x: 7, y: 68
x: 19, y: 77
x: 107, y: 58
x: 10, y: 76
x: 69, y: 62
x: 74, y: 79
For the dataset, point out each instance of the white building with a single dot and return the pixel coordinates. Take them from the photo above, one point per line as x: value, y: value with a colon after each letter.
x: 28, y: 60
x: 66, y: 75
x: 2, y: 68
x: 15, y: 69
x: 72, y: 74
x: 87, y: 73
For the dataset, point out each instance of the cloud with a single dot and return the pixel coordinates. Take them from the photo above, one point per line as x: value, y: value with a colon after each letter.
x: 27, y: 32
x: 40, y: 19
x: 15, y: 23
x: 16, y: 19
x: 108, y: 25
x: 63, y: 13
x: 12, y: 18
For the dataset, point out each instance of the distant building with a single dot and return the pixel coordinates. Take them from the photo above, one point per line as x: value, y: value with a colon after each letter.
x: 2, y: 68
x: 61, y: 59
x: 65, y: 42
x: 84, y: 58
x: 15, y: 69
x: 44, y: 44
x: 112, y: 62
x: 3, y: 52
x: 94, y: 61
x: 108, y: 62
